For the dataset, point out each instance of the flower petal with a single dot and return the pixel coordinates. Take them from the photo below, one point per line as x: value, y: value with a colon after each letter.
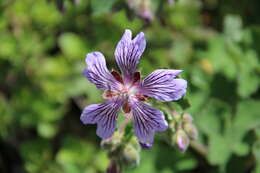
x: 146, y: 146
x: 161, y: 85
x: 128, y: 52
x: 104, y: 115
x: 147, y: 120
x: 97, y: 72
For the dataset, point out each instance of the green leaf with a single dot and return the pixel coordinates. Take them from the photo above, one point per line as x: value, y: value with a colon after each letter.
x: 120, y: 20
x: 36, y: 153
x: 221, y: 60
x: 241, y: 149
x: 45, y: 13
x: 182, y: 50
x: 75, y: 151
x: 72, y: 46
x: 47, y: 130
x: 233, y: 27
x: 102, y: 6
x: 197, y: 101
x: 182, y: 12
x: 209, y: 119
x: 256, y: 152
x: 219, y: 151
x: 248, y: 79
x: 247, y: 116
x: 186, y: 164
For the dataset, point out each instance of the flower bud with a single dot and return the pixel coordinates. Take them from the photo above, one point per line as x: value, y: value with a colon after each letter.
x: 172, y: 125
x: 113, y: 168
x: 176, y: 116
x: 135, y: 143
x: 143, y: 8
x: 113, y: 142
x: 131, y: 156
x: 191, y: 131
x: 182, y: 140
x: 187, y: 118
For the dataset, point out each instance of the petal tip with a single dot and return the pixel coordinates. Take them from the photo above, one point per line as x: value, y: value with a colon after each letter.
x: 141, y: 34
x: 127, y: 35
x: 146, y: 146
x: 175, y: 72
x: 165, y: 125
x: 128, y: 30
x: 83, y: 119
x: 92, y: 56
x: 179, y: 71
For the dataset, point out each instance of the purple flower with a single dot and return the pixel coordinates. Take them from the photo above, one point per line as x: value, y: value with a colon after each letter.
x: 146, y: 145
x: 129, y: 92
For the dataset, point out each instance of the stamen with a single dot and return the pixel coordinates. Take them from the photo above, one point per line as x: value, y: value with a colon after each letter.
x: 136, y: 77
x: 126, y: 108
x: 141, y: 97
x: 117, y: 76
x: 108, y: 94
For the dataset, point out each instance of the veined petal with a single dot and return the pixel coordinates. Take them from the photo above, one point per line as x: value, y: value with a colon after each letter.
x: 161, y: 85
x: 104, y: 115
x: 128, y: 52
x: 147, y: 120
x: 97, y: 72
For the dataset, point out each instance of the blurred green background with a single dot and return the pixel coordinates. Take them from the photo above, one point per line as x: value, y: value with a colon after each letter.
x: 42, y: 90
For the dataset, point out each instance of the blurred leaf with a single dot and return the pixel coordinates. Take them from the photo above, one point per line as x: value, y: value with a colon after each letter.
x: 101, y: 161
x: 197, y: 101
x: 200, y: 79
x: 184, y: 103
x: 248, y: 79
x: 182, y: 50
x: 73, y: 149
x: 247, y: 116
x: 186, y: 164
x: 5, y: 118
x: 101, y: 6
x: 45, y: 13
x: 77, y: 152
x: 36, y: 153
x: 47, y: 130
x: 233, y: 27
x: 182, y: 12
x: 209, y: 120
x: 241, y: 149
x: 219, y: 151
x: 256, y: 152
x: 120, y: 19
x: 222, y: 62
x: 72, y: 46
x: 7, y: 46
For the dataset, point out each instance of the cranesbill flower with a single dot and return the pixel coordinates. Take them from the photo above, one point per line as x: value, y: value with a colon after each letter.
x: 129, y: 92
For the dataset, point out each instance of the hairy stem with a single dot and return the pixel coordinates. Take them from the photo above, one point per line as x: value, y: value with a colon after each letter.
x: 200, y: 148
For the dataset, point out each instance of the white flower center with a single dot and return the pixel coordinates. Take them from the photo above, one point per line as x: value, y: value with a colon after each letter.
x: 130, y: 90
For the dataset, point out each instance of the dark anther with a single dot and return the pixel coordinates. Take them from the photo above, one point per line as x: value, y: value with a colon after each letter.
x: 126, y: 108
x: 142, y: 97
x: 108, y: 94
x: 117, y: 76
x: 137, y: 77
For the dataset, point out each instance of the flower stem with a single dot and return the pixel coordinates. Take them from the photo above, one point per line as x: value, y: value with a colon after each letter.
x: 200, y: 148
x: 123, y: 125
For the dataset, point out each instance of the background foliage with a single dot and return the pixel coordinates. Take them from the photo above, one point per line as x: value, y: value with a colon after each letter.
x: 42, y: 90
